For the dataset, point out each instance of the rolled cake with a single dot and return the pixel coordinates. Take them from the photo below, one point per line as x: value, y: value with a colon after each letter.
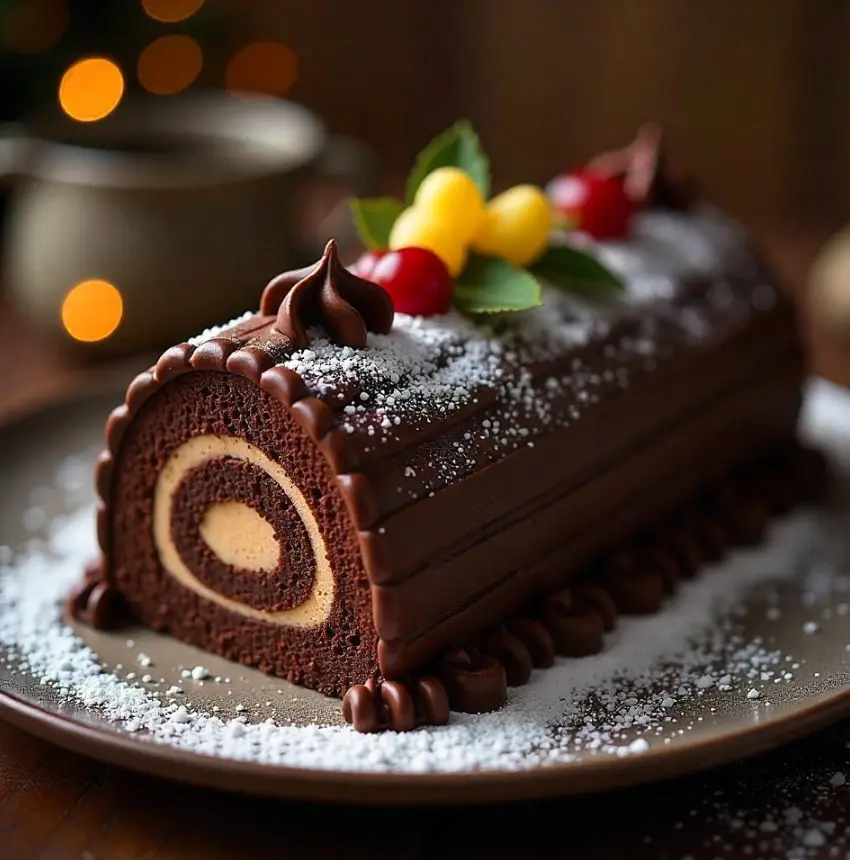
x: 335, y: 494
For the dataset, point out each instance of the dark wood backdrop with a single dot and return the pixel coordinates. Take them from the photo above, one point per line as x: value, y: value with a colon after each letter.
x: 756, y: 93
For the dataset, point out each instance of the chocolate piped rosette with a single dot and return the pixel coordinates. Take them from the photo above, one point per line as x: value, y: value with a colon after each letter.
x: 411, y: 482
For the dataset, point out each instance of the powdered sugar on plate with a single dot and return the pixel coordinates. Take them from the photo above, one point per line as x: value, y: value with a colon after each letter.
x: 656, y: 682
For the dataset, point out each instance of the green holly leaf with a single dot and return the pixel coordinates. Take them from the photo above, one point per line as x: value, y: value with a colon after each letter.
x: 457, y: 147
x: 489, y: 285
x: 575, y: 270
x: 374, y: 219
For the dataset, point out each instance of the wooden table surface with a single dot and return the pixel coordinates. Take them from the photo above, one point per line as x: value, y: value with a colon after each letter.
x: 54, y: 804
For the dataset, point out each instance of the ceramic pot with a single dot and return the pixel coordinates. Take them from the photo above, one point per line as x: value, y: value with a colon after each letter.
x: 187, y: 205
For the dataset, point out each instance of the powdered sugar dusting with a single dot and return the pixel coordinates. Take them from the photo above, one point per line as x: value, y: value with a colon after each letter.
x: 516, y: 379
x: 215, y: 331
x: 665, y: 247
x: 438, y: 365
x: 513, y: 381
x: 627, y: 701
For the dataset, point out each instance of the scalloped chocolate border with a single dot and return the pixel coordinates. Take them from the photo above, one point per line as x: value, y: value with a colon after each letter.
x: 252, y: 357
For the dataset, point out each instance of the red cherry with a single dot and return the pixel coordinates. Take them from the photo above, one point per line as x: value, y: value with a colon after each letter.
x: 366, y: 262
x: 416, y: 279
x: 594, y: 203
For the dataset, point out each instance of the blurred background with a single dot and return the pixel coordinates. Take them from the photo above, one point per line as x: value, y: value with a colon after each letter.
x: 755, y: 92
x: 753, y: 96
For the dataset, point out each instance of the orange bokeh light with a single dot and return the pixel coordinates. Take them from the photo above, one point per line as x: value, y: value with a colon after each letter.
x: 91, y: 89
x: 266, y: 68
x: 170, y: 64
x: 33, y: 26
x: 170, y: 11
x: 92, y: 310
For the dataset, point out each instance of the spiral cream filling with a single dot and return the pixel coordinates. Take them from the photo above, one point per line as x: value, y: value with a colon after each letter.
x: 201, y: 449
x: 240, y: 537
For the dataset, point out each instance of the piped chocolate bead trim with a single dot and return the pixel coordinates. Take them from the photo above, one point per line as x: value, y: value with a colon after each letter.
x: 474, y: 682
x: 94, y: 601
x: 379, y: 705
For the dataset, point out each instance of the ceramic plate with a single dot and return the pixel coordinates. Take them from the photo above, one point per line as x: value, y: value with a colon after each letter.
x: 804, y: 689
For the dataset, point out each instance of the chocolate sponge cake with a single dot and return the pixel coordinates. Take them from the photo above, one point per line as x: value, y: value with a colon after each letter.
x: 337, y: 493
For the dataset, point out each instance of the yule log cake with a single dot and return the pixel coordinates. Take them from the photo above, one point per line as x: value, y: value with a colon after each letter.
x: 409, y: 482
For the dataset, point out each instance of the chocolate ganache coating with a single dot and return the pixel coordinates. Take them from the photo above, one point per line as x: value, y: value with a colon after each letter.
x: 414, y: 493
x: 570, y: 622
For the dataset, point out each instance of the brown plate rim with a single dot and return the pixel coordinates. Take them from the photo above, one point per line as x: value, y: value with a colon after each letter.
x: 398, y: 789
x: 362, y: 788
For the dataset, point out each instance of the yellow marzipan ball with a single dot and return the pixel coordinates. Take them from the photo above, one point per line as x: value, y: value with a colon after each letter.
x: 516, y: 225
x: 451, y: 196
x: 418, y: 228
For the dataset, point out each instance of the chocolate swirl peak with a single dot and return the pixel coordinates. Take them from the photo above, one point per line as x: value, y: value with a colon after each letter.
x: 330, y: 295
x: 648, y: 176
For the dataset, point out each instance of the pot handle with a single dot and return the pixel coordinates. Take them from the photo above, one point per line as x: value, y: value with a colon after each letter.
x: 18, y: 153
x: 345, y: 168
